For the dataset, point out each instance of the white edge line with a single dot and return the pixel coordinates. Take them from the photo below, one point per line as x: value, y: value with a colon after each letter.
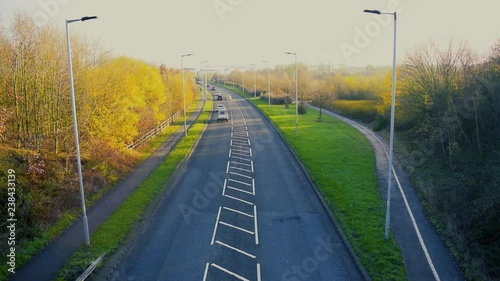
x: 251, y: 163
x: 227, y: 169
x: 255, y: 224
x: 206, y: 272
x: 215, y: 227
x: 230, y: 153
x: 251, y: 153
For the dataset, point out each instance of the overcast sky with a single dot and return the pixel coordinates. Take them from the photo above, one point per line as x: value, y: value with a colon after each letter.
x: 231, y: 33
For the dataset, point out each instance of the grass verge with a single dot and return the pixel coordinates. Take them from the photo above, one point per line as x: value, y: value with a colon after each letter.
x: 347, y: 180
x: 111, y: 233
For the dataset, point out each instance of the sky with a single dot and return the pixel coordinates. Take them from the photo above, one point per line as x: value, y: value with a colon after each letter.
x: 238, y: 33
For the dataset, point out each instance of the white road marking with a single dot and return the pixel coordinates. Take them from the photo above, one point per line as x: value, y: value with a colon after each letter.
x: 241, y: 154
x: 237, y: 211
x: 240, y: 182
x: 240, y: 158
x: 240, y: 190
x: 240, y: 169
x: 248, y: 141
x: 229, y: 272
x: 236, y: 227
x: 235, y: 249
x: 229, y: 152
x: 240, y: 175
x: 255, y: 224
x: 227, y: 169
x: 251, y: 163
x: 238, y: 199
x: 251, y: 153
x: 239, y: 163
x: 224, y: 188
x: 253, y: 186
x: 215, y: 228
x: 258, y: 272
x: 206, y: 272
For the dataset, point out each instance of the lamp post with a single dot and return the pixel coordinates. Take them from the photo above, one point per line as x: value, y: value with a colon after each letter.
x: 243, y: 81
x: 391, y: 141
x: 296, y: 94
x: 75, y: 128
x: 183, y: 91
x: 254, y: 82
x: 268, y: 83
x: 203, y: 83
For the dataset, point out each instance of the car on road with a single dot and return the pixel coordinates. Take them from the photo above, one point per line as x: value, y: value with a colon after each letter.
x: 220, y: 107
x: 213, y: 88
x: 219, y: 97
x: 222, y: 115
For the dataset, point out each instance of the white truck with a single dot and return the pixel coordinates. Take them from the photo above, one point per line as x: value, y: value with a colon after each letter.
x: 222, y: 115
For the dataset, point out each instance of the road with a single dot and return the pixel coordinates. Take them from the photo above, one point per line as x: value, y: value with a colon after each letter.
x: 241, y: 209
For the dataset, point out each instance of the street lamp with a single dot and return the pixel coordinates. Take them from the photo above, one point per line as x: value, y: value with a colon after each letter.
x: 75, y: 128
x: 243, y: 81
x: 183, y: 91
x: 268, y: 83
x: 203, y: 83
x: 296, y: 94
x: 391, y: 142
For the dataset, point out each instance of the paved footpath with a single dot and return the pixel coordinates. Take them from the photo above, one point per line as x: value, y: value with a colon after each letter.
x: 47, y: 264
x: 424, y: 253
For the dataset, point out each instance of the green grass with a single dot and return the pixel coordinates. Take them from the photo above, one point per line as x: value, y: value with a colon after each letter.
x: 345, y: 173
x: 111, y: 233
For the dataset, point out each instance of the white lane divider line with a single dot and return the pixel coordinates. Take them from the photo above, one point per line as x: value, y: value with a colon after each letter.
x: 240, y: 175
x: 237, y: 211
x: 206, y: 272
x: 238, y: 199
x: 235, y: 249
x: 239, y: 190
x: 251, y: 163
x: 240, y: 182
x: 255, y: 225
x: 237, y: 227
x: 215, y: 227
x: 258, y: 272
x: 248, y: 142
x: 229, y: 272
x: 227, y: 169
x: 229, y: 152
x: 251, y: 153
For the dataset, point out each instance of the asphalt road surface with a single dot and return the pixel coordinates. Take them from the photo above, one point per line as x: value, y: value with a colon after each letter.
x: 241, y: 209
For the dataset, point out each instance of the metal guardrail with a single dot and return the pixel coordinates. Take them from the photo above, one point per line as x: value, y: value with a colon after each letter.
x: 91, y: 268
x: 154, y: 131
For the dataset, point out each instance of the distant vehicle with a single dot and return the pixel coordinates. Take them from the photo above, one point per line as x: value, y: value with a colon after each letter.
x: 220, y: 107
x: 222, y: 116
x: 219, y: 97
x: 213, y: 88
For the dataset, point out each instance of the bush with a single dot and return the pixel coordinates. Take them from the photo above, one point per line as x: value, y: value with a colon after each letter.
x: 302, y: 108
